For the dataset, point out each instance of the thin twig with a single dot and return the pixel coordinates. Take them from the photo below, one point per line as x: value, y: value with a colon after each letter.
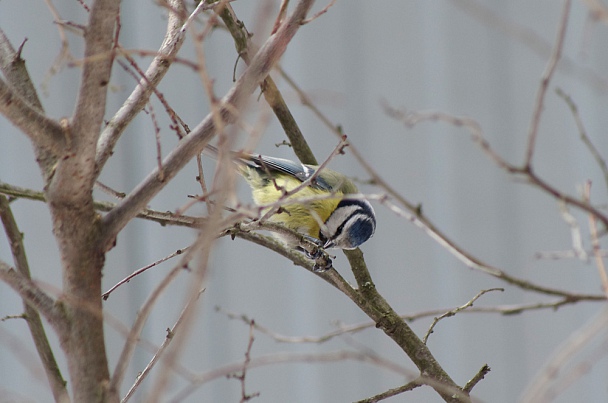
x: 474, y: 263
x: 542, y: 90
x: 532, y: 40
x: 194, y: 142
x: 456, y: 310
x: 108, y: 190
x: 393, y: 392
x: 601, y: 162
x: 243, y: 372
x: 507, y: 310
x: 31, y: 315
x: 140, y: 320
x: 339, y: 149
x: 137, y: 272
x: 320, y: 13
x: 468, y: 387
x: 540, y: 386
x: 281, y: 358
x: 246, y: 50
x: 170, y: 333
x: 161, y: 217
x: 601, y: 268
x: 31, y: 293
x: 575, y: 232
x: 64, y: 53
x: 142, y: 92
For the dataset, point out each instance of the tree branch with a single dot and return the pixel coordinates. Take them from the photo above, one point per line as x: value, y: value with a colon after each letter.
x: 13, y: 68
x: 41, y: 130
x: 542, y: 90
x: 246, y: 48
x: 32, y: 294
x: 161, y: 217
x: 47, y: 135
x: 32, y: 317
x: 194, y: 142
x: 147, y: 85
x: 395, y: 327
x: 394, y: 392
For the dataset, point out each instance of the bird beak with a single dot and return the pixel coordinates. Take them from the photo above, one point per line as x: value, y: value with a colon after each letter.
x: 328, y: 244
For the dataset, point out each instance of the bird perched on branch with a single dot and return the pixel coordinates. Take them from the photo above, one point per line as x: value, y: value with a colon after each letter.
x: 319, y: 203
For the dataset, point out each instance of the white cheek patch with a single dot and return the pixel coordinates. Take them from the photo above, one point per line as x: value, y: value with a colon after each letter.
x: 351, y: 224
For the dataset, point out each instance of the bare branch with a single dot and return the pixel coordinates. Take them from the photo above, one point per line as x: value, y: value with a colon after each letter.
x: 471, y: 261
x: 137, y: 272
x: 15, y: 238
x: 506, y: 310
x: 141, y: 94
x: 583, y: 133
x: 376, y: 307
x: 280, y: 358
x: 394, y: 392
x: 241, y: 376
x: 546, y: 78
x: 532, y: 40
x: 455, y: 311
x: 42, y: 131
x: 25, y: 110
x: 540, y: 387
x: 194, y: 142
x: 478, y: 377
x: 90, y: 106
x: 246, y: 49
x: 575, y: 232
x: 161, y: 217
x: 15, y: 72
x: 170, y: 332
x: 599, y: 262
x: 320, y: 13
x: 31, y: 293
x: 140, y: 320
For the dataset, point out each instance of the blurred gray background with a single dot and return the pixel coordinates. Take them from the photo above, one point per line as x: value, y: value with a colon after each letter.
x: 480, y: 59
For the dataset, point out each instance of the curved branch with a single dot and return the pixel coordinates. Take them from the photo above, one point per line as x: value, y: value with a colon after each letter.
x: 44, y: 132
x: 32, y: 316
x: 161, y: 217
x: 141, y: 94
x: 542, y: 90
x: 194, y: 142
x: 49, y: 140
x: 13, y: 68
x: 31, y: 293
x: 246, y: 49
x: 99, y: 41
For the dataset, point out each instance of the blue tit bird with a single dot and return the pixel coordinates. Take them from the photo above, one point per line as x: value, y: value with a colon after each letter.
x: 337, y: 222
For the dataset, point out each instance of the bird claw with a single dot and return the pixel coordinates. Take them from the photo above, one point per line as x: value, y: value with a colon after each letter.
x: 322, y: 260
x: 327, y: 264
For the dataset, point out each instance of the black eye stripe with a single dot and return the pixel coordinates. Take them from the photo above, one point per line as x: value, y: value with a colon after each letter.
x: 362, y: 210
x: 339, y: 230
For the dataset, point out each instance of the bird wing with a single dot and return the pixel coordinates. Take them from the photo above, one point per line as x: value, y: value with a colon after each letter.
x: 297, y: 170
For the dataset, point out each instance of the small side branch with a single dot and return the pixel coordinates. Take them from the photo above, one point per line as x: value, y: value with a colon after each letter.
x: 170, y: 333
x: 31, y: 293
x: 455, y: 311
x: 147, y: 85
x: 44, y: 132
x: 542, y: 90
x: 394, y: 392
x: 477, y: 378
x: 195, y: 141
x: 15, y: 238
